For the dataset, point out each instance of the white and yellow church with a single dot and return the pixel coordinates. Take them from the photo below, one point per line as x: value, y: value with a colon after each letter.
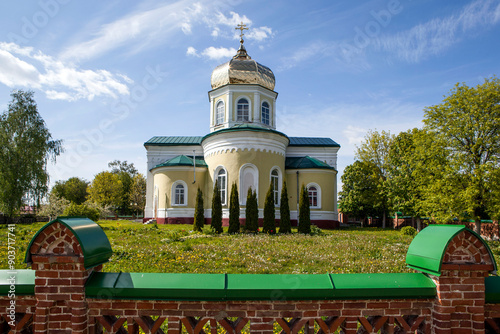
x: 243, y: 147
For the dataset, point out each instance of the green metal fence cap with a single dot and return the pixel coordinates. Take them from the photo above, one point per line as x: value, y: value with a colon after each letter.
x: 24, y: 282
x: 93, y: 241
x: 428, y: 247
x: 492, y: 286
x: 382, y: 286
x: 278, y: 287
x: 156, y: 286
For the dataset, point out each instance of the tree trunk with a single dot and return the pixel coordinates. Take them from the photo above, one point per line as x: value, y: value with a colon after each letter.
x: 383, y: 220
x: 419, y: 224
x: 477, y: 228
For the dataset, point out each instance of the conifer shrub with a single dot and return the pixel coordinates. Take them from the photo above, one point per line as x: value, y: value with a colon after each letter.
x: 304, y: 212
x: 199, y: 212
x: 285, y: 224
x: 216, y: 223
x: 252, y: 212
x: 234, y: 211
x: 269, y: 225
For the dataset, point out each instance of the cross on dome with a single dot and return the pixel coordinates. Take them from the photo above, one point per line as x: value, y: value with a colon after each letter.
x: 241, y: 26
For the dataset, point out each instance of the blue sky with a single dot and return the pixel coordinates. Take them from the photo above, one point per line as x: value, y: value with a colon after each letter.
x: 108, y: 75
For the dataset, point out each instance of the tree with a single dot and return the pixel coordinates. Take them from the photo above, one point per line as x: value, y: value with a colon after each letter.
x: 216, y: 222
x: 468, y: 121
x: 106, y: 189
x: 234, y: 211
x: 82, y: 210
x: 138, y: 193
x: 126, y: 173
x: 55, y: 207
x: 269, y: 224
x: 304, y: 212
x: 199, y: 212
x: 118, y: 166
x: 74, y: 190
x: 252, y: 212
x: 359, y: 195
x: 25, y: 147
x: 374, y: 151
x: 285, y: 224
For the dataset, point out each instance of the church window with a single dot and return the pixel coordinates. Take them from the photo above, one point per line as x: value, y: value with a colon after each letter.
x: 179, y: 193
x: 221, y: 182
x: 275, y: 184
x: 242, y: 110
x: 219, y: 116
x: 314, y: 192
x: 265, y: 113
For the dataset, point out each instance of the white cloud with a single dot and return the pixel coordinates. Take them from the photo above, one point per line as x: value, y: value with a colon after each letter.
x: 215, y: 32
x: 435, y: 36
x: 218, y: 53
x: 259, y: 34
x: 192, y: 51
x: 233, y: 20
x: 354, y: 134
x: 21, y: 66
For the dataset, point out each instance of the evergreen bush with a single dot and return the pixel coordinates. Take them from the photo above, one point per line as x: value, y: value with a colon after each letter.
x: 269, y: 225
x: 304, y: 212
x: 234, y: 211
x: 252, y: 212
x: 285, y: 224
x: 199, y: 212
x: 408, y: 230
x: 216, y: 223
x: 82, y: 210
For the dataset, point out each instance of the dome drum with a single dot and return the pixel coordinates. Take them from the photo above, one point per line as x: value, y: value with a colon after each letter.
x: 242, y: 71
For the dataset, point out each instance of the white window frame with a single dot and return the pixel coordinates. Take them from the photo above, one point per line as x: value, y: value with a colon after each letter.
x: 268, y: 113
x: 216, y: 177
x: 174, y: 187
x: 318, y: 194
x: 255, y: 172
x: 220, y: 108
x: 280, y: 182
x: 238, y: 119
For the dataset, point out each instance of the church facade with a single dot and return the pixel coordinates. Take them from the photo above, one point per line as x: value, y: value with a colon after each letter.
x: 242, y: 147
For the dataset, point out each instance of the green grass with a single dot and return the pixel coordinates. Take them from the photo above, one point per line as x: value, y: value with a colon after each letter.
x: 176, y: 249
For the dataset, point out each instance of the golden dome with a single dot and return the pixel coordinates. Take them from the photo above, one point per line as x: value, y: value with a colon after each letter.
x: 242, y: 70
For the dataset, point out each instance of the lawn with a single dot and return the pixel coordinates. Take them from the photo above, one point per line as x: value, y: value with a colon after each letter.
x: 176, y: 249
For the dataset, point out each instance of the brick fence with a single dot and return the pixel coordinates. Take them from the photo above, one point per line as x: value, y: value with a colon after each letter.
x: 66, y: 292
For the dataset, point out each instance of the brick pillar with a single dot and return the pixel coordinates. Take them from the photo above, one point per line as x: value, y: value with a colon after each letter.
x: 60, y: 277
x: 459, y: 305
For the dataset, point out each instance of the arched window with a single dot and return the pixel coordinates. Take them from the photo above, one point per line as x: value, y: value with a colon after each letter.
x: 265, y: 113
x: 314, y: 192
x: 222, y: 183
x: 242, y: 110
x: 179, y: 193
x: 275, y: 178
x: 249, y: 179
x: 219, y: 114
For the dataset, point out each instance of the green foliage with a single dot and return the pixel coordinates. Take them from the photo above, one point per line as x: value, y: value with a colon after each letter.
x: 126, y: 173
x: 408, y: 230
x: 106, y: 189
x: 74, y: 190
x: 304, y: 212
x: 199, y: 212
x: 216, y: 223
x: 55, y: 207
x: 285, y: 223
x: 25, y: 147
x: 252, y: 212
x: 82, y: 210
x: 138, y: 193
x: 269, y: 224
x: 468, y: 123
x: 315, y: 230
x: 234, y: 211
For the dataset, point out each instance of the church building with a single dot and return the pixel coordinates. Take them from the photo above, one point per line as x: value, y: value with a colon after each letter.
x: 242, y: 147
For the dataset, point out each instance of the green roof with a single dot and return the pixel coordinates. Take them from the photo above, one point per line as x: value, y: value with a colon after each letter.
x: 492, y: 287
x: 258, y: 286
x: 24, y: 282
x: 93, y: 241
x: 245, y: 127
x: 305, y: 163
x: 174, y: 141
x: 312, y: 141
x: 183, y: 160
x: 427, y: 249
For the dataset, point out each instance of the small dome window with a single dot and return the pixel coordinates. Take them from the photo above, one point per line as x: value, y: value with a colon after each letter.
x: 243, y: 111
x: 265, y: 113
x: 219, y: 114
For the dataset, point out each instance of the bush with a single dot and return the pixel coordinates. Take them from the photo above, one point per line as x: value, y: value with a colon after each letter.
x: 252, y: 212
x: 285, y: 224
x: 304, y: 212
x: 315, y: 230
x: 199, y: 215
x: 234, y: 211
x: 82, y: 210
x: 269, y: 225
x: 408, y: 230
x: 216, y: 223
